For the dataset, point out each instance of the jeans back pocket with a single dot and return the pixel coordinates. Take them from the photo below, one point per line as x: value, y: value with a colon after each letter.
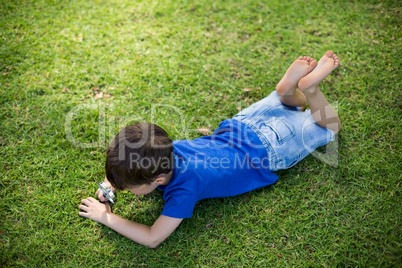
x: 282, y: 128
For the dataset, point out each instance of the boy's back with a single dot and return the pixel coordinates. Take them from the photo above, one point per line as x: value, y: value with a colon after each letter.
x: 231, y: 161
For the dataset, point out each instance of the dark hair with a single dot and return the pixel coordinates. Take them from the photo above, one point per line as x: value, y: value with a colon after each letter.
x: 137, y: 155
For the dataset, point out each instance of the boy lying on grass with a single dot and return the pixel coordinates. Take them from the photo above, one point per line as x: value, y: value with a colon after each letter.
x: 272, y: 134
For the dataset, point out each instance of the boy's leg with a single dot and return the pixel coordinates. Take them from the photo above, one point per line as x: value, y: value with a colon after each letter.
x: 287, y: 87
x: 322, y: 112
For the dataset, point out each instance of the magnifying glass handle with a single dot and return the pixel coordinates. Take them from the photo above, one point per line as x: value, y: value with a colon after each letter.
x: 107, y: 192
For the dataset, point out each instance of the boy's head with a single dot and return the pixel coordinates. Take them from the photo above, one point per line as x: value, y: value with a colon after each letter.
x: 137, y: 155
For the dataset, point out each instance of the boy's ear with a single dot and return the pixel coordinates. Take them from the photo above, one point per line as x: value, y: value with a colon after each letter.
x: 160, y: 179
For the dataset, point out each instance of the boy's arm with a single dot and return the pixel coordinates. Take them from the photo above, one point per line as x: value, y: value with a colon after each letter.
x: 140, y: 233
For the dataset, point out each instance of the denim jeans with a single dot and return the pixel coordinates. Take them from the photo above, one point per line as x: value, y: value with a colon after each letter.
x: 287, y: 133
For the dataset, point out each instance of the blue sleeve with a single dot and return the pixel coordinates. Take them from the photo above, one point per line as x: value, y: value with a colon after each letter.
x: 179, y: 206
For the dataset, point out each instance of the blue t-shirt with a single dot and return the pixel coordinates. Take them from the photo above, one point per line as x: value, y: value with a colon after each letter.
x: 231, y: 161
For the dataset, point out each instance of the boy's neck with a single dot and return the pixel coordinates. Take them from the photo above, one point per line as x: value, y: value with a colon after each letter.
x: 167, y: 178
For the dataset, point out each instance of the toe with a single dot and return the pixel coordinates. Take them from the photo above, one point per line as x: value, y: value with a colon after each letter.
x: 313, y: 63
x: 335, y: 57
x: 329, y: 53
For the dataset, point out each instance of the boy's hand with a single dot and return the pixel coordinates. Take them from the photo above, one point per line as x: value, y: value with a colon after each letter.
x: 94, y: 210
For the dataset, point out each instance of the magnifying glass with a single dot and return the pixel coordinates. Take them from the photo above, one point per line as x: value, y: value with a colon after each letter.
x: 107, y: 192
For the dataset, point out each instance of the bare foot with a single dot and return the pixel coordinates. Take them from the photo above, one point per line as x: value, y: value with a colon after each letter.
x: 299, y: 68
x: 325, y: 66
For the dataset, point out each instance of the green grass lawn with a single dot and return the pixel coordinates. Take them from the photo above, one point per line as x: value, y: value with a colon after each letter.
x: 184, y: 65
